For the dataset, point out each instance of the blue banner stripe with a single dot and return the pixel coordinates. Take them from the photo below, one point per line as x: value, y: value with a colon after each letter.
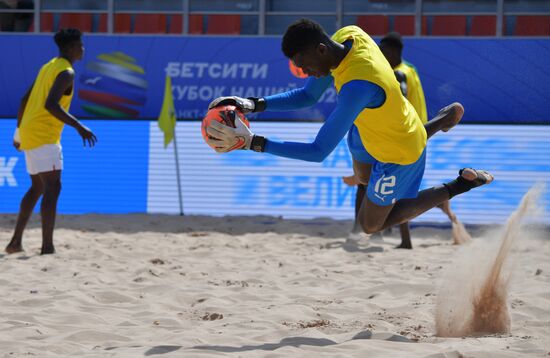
x: 497, y: 80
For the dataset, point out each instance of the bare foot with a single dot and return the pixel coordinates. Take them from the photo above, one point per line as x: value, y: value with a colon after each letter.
x: 449, y: 116
x: 47, y: 250
x: 351, y: 180
x: 13, y: 248
x: 476, y: 177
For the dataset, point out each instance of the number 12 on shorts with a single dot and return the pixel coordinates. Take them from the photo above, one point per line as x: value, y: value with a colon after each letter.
x: 384, y: 185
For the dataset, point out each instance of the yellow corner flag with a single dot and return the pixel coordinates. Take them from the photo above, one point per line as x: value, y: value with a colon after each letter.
x: 167, y: 117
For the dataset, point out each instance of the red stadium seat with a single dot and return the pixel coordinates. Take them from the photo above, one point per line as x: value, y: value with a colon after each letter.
x: 196, y: 24
x: 532, y: 26
x: 102, y: 25
x: 424, y: 28
x: 150, y: 24
x: 224, y: 24
x: 83, y: 21
x: 404, y: 25
x: 123, y: 23
x: 449, y: 25
x: 374, y: 24
x: 483, y: 25
x: 46, y: 23
x: 176, y: 24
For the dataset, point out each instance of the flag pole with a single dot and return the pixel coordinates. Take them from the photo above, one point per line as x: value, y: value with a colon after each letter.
x: 167, y: 123
x: 178, y: 172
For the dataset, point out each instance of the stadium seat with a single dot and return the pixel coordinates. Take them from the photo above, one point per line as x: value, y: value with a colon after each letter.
x: 483, y: 25
x: 223, y: 24
x: 82, y: 21
x: 123, y: 23
x: 532, y: 26
x: 374, y: 24
x: 150, y: 24
x: 404, y: 25
x: 176, y: 24
x: 46, y: 23
x: 196, y: 24
x: 449, y: 25
x: 101, y: 23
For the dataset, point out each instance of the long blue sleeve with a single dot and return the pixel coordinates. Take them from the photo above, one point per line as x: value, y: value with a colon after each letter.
x: 354, y: 96
x: 306, y: 96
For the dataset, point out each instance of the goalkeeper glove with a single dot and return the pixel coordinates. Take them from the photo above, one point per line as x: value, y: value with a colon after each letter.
x: 246, y: 105
x: 224, y: 138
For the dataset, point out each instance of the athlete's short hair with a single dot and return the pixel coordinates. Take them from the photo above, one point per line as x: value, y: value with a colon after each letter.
x: 66, y: 37
x: 302, y: 35
x: 392, y: 39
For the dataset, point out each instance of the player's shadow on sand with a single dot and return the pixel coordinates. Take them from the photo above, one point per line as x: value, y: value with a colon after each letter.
x: 20, y: 256
x: 162, y: 350
x: 303, y: 341
x: 351, y: 246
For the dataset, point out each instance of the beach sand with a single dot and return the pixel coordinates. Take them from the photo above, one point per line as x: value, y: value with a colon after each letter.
x: 197, y: 286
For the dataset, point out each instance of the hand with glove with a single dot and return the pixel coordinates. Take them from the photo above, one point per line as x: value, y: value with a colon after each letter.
x: 224, y: 138
x: 246, y: 105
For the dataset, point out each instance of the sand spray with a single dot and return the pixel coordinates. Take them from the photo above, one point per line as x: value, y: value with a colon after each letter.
x: 473, y: 298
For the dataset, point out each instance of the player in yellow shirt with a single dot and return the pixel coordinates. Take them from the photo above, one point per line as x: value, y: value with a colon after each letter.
x: 42, y: 114
x: 385, y: 135
x: 407, y: 76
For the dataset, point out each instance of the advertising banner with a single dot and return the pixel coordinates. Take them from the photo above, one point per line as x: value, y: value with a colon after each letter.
x: 122, y: 77
x: 130, y: 171
x: 109, y: 178
x: 248, y: 183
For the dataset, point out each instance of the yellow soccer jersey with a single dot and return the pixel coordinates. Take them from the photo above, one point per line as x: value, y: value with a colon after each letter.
x: 38, y: 126
x: 415, y: 93
x: 393, y: 132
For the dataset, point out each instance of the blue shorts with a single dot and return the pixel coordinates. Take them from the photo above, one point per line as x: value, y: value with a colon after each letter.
x: 388, y: 182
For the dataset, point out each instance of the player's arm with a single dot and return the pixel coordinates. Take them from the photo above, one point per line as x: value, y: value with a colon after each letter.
x: 20, y: 111
x: 63, y: 84
x: 353, y: 98
x: 298, y: 98
x: 402, y: 79
x: 23, y: 105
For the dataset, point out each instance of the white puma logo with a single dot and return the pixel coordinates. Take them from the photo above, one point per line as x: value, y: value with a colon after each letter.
x: 92, y: 81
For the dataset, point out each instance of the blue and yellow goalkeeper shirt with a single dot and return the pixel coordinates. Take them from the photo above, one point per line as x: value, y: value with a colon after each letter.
x: 369, y: 96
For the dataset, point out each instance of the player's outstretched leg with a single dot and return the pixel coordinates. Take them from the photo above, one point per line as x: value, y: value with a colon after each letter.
x: 467, y: 179
x: 407, y: 209
x: 446, y: 118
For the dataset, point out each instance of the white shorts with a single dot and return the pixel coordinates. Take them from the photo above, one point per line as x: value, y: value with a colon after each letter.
x: 45, y: 158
